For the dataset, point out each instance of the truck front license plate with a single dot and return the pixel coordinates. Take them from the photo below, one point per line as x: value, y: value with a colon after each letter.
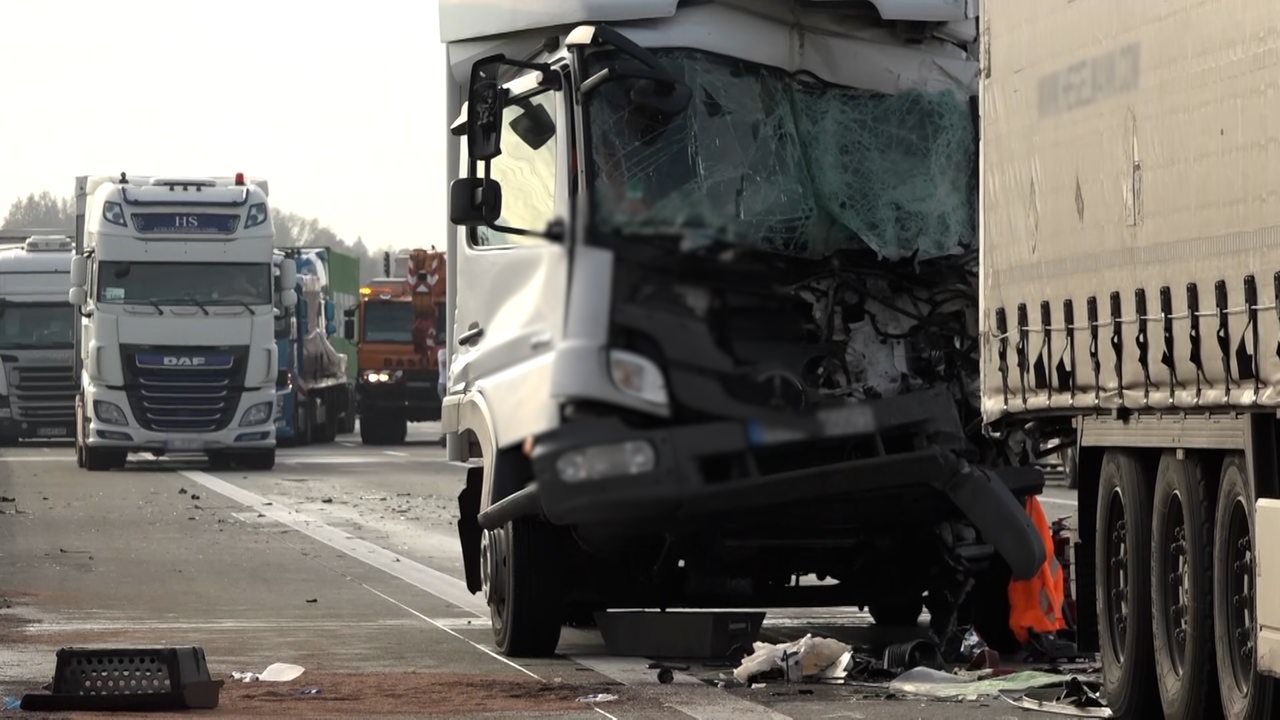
x: 51, y: 432
x: 182, y: 444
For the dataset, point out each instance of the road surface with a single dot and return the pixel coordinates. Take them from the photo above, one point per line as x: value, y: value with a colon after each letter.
x: 343, y: 560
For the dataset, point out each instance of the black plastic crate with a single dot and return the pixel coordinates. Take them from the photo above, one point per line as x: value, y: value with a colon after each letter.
x: 129, y: 679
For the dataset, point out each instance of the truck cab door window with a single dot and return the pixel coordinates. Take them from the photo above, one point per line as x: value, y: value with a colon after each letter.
x: 526, y: 171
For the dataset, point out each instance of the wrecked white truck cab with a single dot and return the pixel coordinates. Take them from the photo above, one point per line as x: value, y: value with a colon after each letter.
x: 714, y: 322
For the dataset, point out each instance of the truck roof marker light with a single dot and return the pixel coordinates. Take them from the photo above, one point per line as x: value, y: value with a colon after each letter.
x: 239, y: 179
x: 366, y: 291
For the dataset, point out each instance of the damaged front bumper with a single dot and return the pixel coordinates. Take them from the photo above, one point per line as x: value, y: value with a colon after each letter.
x: 603, y: 472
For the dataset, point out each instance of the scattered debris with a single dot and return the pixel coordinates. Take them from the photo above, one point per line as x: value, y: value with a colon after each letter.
x: 911, y: 654
x: 807, y: 657
x: 6, y: 498
x: 275, y: 672
x: 326, y: 500
x: 1075, y: 698
x: 309, y: 691
x: 597, y: 698
x: 314, y: 600
x: 182, y: 491
x: 195, y: 496
x: 965, y: 685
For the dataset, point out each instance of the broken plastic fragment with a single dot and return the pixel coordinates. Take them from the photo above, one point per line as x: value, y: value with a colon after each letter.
x: 597, y: 697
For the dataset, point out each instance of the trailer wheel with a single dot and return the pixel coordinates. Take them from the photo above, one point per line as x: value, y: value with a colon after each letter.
x: 520, y: 572
x: 1124, y: 586
x: 1181, y: 586
x: 1246, y: 694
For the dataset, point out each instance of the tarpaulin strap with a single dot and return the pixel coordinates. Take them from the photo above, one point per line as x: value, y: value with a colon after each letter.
x: 1035, y: 605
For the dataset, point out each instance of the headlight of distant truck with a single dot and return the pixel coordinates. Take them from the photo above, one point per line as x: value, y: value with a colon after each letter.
x: 637, y: 375
x: 258, y: 414
x: 382, y: 376
x: 109, y: 413
x: 257, y: 215
x: 113, y: 213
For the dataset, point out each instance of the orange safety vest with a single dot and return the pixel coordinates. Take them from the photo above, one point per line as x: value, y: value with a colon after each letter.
x: 1035, y: 605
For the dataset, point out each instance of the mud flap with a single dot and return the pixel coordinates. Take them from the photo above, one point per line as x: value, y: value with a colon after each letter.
x: 469, y: 530
x: 986, y: 500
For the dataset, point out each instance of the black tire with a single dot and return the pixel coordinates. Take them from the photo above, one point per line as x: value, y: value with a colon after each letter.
x: 96, y: 460
x: 219, y: 461
x: 81, y: 424
x: 1124, y: 587
x: 372, y: 430
x: 398, y: 430
x: 1246, y: 695
x: 523, y: 585
x: 896, y: 613
x: 302, y: 426
x: 1069, y: 457
x: 1181, y: 585
x: 258, y: 460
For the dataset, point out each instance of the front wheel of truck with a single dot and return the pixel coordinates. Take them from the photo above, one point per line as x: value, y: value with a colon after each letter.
x: 262, y: 460
x: 520, y: 566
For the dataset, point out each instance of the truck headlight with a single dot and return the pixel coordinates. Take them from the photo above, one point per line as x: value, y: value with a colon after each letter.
x: 113, y: 213
x: 382, y: 376
x: 257, y: 414
x: 257, y: 215
x: 109, y: 413
x: 634, y: 457
x: 637, y: 375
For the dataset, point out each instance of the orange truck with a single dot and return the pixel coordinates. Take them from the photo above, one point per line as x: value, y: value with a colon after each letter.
x: 398, y: 326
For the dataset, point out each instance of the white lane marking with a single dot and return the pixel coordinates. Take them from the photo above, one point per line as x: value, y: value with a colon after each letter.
x: 429, y: 579
x: 720, y: 706
x: 393, y: 452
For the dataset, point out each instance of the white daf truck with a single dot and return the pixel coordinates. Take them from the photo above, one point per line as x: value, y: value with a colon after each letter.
x: 37, y: 387
x: 176, y: 352
x: 1131, y: 304
x: 714, y: 313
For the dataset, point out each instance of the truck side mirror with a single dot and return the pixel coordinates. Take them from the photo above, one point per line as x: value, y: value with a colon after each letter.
x: 349, y: 329
x: 77, y: 296
x: 288, y: 298
x: 485, y: 100
x: 79, y: 271
x: 474, y: 202
x: 288, y: 277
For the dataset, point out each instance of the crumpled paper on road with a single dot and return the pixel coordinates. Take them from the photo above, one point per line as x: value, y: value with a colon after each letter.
x: 807, y: 657
x: 275, y: 672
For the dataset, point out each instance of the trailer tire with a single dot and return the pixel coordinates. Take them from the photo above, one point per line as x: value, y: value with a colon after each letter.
x: 1182, y: 528
x: 1124, y: 523
x: 523, y: 584
x: 1246, y: 694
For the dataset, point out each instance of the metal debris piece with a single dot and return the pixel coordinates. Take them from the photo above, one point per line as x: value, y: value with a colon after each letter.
x: 1075, y: 698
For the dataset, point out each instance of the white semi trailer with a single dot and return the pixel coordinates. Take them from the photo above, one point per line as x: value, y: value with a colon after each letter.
x: 1131, y: 279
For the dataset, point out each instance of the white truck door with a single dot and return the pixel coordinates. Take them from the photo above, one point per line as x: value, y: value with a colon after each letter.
x: 1266, y: 568
x: 511, y: 289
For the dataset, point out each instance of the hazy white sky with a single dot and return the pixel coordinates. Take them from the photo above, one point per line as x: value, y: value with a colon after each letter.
x: 340, y: 105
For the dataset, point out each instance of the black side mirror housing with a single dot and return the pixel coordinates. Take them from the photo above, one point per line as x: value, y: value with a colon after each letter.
x: 474, y: 202
x: 349, y: 329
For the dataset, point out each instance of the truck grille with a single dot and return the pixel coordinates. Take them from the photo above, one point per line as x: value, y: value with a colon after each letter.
x: 176, y: 389
x: 43, y: 394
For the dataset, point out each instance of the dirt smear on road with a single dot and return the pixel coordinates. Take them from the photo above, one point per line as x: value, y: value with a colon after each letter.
x: 415, y: 694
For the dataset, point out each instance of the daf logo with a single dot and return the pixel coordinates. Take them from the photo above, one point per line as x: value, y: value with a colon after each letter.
x: 172, y: 361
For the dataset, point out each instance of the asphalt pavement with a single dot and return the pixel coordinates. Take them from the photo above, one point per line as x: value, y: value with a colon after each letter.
x: 343, y: 560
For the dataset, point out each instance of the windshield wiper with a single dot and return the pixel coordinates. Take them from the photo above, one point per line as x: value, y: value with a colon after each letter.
x: 248, y: 307
x: 185, y: 299
x: 156, y: 305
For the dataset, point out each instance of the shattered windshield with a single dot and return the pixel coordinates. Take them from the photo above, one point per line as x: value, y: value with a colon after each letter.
x: 787, y: 163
